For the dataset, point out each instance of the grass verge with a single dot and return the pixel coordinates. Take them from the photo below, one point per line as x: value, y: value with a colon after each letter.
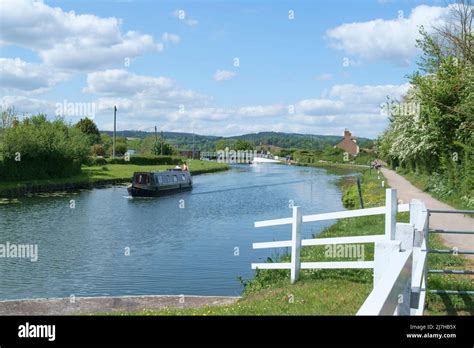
x: 425, y: 183
x: 92, y: 175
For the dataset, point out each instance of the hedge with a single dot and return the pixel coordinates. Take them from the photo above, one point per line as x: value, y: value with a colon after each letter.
x: 146, y: 160
x: 37, y: 168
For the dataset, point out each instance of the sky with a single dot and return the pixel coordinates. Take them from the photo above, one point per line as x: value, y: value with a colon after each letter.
x: 213, y: 67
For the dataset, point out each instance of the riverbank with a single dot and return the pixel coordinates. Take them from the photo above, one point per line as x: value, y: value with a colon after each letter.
x: 337, y: 292
x: 109, y: 304
x: 97, y: 176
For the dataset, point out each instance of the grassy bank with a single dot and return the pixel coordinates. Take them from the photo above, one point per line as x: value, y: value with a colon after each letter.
x: 92, y: 175
x: 336, y: 292
x: 435, y: 188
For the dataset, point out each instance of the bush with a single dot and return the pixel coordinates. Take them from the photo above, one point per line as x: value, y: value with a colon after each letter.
x: 96, y: 161
x: 36, y: 148
x: 350, y: 197
x: 98, y: 150
x: 147, y: 160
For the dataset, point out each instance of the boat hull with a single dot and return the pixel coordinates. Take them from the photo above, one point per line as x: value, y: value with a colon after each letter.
x: 143, y: 192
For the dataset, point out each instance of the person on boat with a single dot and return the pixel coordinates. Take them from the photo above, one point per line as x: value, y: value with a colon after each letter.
x: 185, y: 167
x: 177, y: 167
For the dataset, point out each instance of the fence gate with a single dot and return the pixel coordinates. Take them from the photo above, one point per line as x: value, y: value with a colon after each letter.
x: 453, y: 251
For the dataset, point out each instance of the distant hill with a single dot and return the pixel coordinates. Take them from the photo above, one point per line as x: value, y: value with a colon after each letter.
x: 279, y: 139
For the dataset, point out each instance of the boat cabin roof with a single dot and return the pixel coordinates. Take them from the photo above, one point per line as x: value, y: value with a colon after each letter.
x: 165, y: 172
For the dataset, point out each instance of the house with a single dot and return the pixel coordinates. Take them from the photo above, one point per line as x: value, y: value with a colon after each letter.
x: 348, y: 144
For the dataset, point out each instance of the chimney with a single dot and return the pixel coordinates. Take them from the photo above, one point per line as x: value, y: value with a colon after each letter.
x: 347, y: 134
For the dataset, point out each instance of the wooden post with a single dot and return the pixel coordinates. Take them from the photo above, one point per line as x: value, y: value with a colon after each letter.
x: 405, y: 233
x: 359, y: 188
x: 417, y: 219
x: 296, y: 244
x: 404, y: 296
x: 391, y: 207
x: 382, y: 253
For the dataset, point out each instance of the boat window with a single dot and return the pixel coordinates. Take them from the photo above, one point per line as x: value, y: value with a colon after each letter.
x: 183, y: 177
x: 175, y: 178
x: 159, y: 178
x: 141, y: 179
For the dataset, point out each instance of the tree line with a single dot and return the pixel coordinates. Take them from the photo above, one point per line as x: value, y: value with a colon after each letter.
x: 431, y: 130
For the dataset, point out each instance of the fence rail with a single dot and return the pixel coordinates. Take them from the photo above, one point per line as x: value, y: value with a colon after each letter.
x: 453, y: 251
x: 399, y: 255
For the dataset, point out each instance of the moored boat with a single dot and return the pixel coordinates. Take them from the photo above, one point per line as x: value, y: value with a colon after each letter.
x: 153, y: 184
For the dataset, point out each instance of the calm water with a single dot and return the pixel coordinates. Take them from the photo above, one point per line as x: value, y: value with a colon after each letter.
x: 173, y: 250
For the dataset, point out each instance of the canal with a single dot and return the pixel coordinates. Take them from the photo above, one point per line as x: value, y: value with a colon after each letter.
x: 100, y: 242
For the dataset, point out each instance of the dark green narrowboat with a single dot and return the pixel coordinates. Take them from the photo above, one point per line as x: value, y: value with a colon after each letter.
x: 154, y: 184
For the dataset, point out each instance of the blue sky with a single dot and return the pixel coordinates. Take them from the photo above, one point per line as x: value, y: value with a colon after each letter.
x: 304, y: 66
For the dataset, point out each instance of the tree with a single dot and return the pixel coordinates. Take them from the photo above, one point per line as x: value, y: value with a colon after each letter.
x: 453, y: 39
x: 244, y: 145
x: 98, y: 150
x: 162, y: 148
x: 39, y: 148
x: 221, y: 144
x: 438, y: 138
x: 88, y: 127
x: 8, y: 117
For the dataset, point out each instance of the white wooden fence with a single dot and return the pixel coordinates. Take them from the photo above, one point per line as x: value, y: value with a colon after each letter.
x: 399, y: 255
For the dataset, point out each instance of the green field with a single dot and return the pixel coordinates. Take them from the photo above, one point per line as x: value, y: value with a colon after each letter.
x: 96, y: 174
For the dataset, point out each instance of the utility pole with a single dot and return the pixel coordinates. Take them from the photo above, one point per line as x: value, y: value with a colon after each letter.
x: 193, y: 144
x: 115, y: 129
x: 162, y: 143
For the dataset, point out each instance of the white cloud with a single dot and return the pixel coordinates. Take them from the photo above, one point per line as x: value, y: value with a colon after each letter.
x: 320, y: 106
x: 122, y: 82
x: 367, y: 94
x: 69, y: 40
x: 262, y: 110
x: 18, y: 76
x: 150, y: 91
x: 223, y: 75
x: 171, y: 38
x: 142, y: 98
x: 27, y: 106
x: 144, y: 101
x: 392, y: 39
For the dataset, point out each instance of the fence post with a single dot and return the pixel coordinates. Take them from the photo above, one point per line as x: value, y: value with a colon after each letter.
x: 296, y: 244
x: 405, y: 233
x: 417, y: 218
x: 391, y: 207
x: 382, y: 255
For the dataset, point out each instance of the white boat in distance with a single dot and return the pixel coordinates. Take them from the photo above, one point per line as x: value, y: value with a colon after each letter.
x: 258, y: 160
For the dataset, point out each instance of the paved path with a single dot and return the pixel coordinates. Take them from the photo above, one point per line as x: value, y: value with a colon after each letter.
x: 406, y: 192
x: 91, y: 305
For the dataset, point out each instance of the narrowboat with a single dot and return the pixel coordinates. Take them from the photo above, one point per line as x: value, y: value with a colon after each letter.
x: 154, y: 184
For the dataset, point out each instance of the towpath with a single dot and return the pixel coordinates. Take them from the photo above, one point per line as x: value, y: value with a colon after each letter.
x: 406, y: 192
